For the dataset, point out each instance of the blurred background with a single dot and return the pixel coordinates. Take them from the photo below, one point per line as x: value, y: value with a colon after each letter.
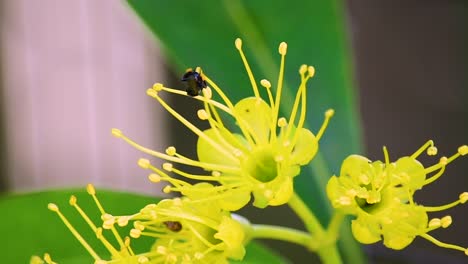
x: 70, y: 71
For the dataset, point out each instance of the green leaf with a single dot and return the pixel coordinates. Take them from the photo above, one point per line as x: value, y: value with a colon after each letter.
x: 28, y: 228
x: 202, y: 33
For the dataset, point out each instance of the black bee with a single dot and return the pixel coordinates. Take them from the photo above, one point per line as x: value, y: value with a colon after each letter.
x: 195, y: 82
x: 173, y: 225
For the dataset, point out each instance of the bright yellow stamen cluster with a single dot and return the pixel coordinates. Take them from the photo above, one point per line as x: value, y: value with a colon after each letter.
x: 381, y: 196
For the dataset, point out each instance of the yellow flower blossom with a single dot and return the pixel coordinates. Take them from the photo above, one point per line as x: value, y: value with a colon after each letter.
x: 380, y: 195
x: 260, y: 158
x: 184, y: 231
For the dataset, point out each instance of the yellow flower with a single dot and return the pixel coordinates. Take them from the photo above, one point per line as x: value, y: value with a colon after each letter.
x: 261, y: 157
x: 380, y: 195
x: 185, y: 231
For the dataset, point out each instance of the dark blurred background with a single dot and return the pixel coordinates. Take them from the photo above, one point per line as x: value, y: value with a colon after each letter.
x: 411, y: 68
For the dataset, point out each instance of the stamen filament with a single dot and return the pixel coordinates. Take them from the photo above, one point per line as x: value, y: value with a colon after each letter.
x: 442, y: 244
x: 328, y: 115
x: 54, y: 208
x: 442, y: 207
x: 428, y: 144
x: 238, y: 43
x: 278, y: 90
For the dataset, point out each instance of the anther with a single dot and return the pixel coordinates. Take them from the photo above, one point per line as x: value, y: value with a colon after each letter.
x: 72, y: 200
x: 116, y: 132
x: 47, y: 258
x: 167, y: 189
x: 463, y: 150
x: 199, y: 255
x: 143, y: 259
x: 302, y: 69
x: 279, y: 158
x: 144, y: 163
x: 171, y: 151
x: 207, y: 92
x: 344, y: 200
x: 90, y: 189
x: 434, y: 223
x: 238, y: 43
x: 443, y: 161
x: 446, y: 221
x: 216, y: 173
x: 198, y: 69
x: 432, y: 151
x: 167, y: 166
x: 161, y: 250
x: 282, y: 122
x: 154, y: 177
x: 135, y: 233
x: 158, y: 87
x: 123, y: 220
x: 283, y: 47
x: 202, y: 114
x: 265, y: 83
x: 463, y: 197
x: 311, y: 71
x: 138, y: 225
x: 329, y: 113
x: 152, y: 93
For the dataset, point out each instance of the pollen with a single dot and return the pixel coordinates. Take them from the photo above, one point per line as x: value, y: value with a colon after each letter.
x: 158, y: 87
x: 282, y: 49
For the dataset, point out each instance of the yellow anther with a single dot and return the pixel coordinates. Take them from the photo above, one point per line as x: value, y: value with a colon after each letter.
x: 127, y: 241
x: 302, y: 69
x: 237, y: 152
x: 279, y: 158
x: 108, y: 224
x: 177, y: 201
x: 432, y: 151
x: 463, y: 197
x: 171, y: 151
x: 116, y: 132
x: 161, y: 250
x: 167, y: 166
x: 152, y: 93
x: 198, y: 69
x: 167, y: 189
x: 143, y: 259
x: 265, y: 83
x: 283, y: 48
x: 90, y: 189
x: 238, y: 43
x: 446, y: 221
x: 53, y: 207
x: 363, y: 178
x: 216, y: 173
x: 434, y: 223
x: 202, y: 114
x: 72, y: 200
x: 282, y: 122
x: 443, y: 160
x: 154, y: 177
x: 329, y: 113
x: 123, y: 220
x: 199, y: 255
x: 144, y: 163
x: 466, y: 251
x: 344, y: 200
x: 106, y: 217
x: 207, y: 92
x: 48, y: 259
x: 311, y: 71
x: 463, y: 150
x: 138, y: 225
x: 158, y: 87
x: 100, y: 261
x: 36, y: 260
x: 135, y: 233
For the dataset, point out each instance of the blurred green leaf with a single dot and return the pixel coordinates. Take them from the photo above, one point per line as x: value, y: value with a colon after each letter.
x: 28, y: 228
x: 202, y: 33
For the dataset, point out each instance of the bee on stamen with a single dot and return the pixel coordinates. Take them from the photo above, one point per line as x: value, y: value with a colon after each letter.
x: 194, y: 82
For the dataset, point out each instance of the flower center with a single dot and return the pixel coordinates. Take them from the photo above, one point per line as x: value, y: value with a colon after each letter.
x: 261, y: 165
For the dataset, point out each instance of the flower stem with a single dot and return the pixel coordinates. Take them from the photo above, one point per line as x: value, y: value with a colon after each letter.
x: 327, y: 250
x: 283, y: 234
x: 310, y: 221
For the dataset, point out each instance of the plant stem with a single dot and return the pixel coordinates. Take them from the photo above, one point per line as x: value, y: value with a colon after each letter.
x: 327, y: 250
x: 308, y: 218
x: 284, y: 234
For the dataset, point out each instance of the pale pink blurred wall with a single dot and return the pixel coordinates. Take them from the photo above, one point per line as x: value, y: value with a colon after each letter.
x: 72, y: 70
